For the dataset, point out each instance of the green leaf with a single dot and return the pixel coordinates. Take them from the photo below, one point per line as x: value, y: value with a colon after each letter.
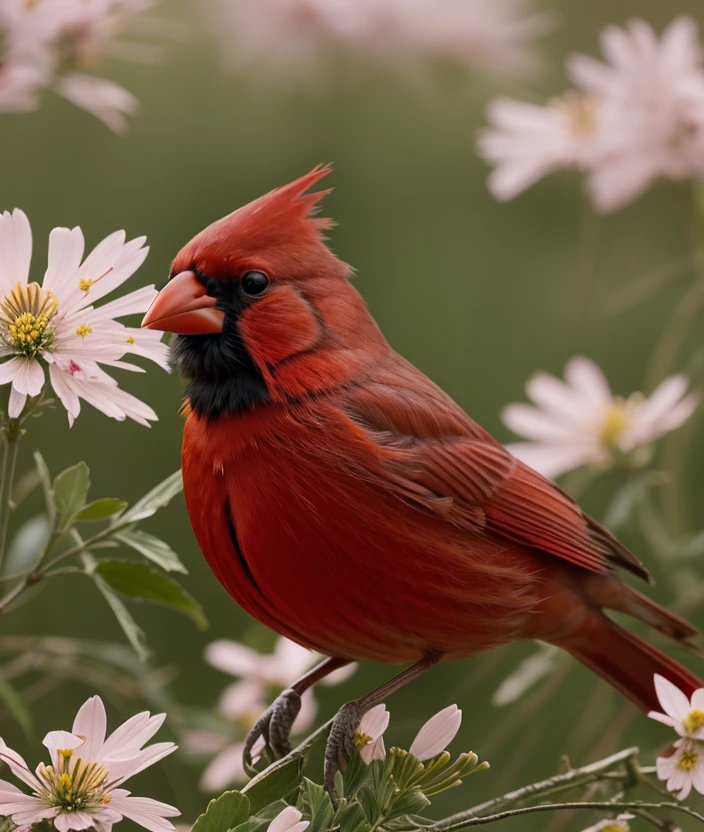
x: 149, y: 504
x: 16, y: 707
x: 141, y: 583
x: 223, y: 813
x: 70, y: 491
x: 152, y: 548
x: 100, y: 510
x: 261, y: 821
x: 281, y: 783
x: 351, y: 818
x: 134, y: 633
x: 314, y: 802
x: 45, y: 478
x: 24, y: 549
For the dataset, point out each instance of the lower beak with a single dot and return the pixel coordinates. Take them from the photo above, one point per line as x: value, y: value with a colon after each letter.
x: 183, y: 307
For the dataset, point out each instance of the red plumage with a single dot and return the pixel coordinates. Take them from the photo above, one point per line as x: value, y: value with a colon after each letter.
x: 358, y: 510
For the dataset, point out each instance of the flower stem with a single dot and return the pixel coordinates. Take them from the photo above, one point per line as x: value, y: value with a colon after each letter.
x: 13, y: 434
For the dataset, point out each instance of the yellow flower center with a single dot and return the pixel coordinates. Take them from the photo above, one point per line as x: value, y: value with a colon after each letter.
x: 84, y: 284
x: 693, y: 721
x: 616, y: 826
x: 361, y: 739
x: 130, y: 340
x: 615, y: 421
x: 580, y: 109
x: 26, y: 319
x: 83, y: 330
x: 687, y: 760
x: 76, y: 785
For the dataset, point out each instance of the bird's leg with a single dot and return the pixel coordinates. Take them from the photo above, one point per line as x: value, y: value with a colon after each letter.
x: 340, y: 742
x: 274, y: 725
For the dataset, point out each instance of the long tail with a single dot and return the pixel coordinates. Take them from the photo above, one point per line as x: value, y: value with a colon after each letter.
x: 627, y: 662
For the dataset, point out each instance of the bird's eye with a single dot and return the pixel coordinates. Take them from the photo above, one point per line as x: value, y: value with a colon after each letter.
x: 254, y: 283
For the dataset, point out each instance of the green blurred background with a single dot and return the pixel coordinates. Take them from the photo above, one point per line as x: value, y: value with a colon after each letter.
x: 477, y: 294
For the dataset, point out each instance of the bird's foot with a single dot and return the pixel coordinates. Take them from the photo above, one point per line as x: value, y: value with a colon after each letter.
x: 274, y: 727
x: 340, y: 744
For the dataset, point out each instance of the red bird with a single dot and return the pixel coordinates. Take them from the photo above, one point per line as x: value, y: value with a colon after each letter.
x: 345, y: 501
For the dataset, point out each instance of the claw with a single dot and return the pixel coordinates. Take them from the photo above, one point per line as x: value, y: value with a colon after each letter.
x: 340, y: 744
x: 274, y: 727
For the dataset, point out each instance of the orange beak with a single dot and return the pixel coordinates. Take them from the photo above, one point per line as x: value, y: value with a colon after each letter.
x: 183, y: 307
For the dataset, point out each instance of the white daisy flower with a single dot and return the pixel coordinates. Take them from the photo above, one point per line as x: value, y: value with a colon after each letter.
x: 437, y: 733
x: 369, y: 736
x: 617, y: 824
x: 80, y: 789
x: 288, y: 820
x: 57, y: 37
x: 580, y: 422
x: 244, y: 701
x: 637, y: 117
x: 56, y: 324
x: 683, y: 769
x: 685, y: 715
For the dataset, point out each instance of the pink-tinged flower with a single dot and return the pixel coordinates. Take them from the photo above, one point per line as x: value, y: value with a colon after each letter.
x: 437, y: 733
x: 685, y: 715
x: 683, y: 769
x: 49, y: 42
x: 57, y: 324
x: 617, y: 824
x: 637, y: 117
x: 300, y: 36
x: 369, y: 736
x: 80, y: 788
x: 288, y: 820
x: 226, y: 767
x: 580, y: 422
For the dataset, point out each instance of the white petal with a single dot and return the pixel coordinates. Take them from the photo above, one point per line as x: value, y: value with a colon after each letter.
x: 437, y: 733
x: 225, y: 769
x: 138, y: 301
x: 553, y: 460
x: 289, y: 661
x: 337, y: 677
x: 673, y: 701
x: 243, y: 699
x: 65, y: 253
x: 69, y: 399
x: 234, y: 658
x: 73, y: 820
x: 91, y: 723
x: 375, y: 750
x: 16, y: 404
x: 287, y: 820
x: 587, y: 377
x: 107, y: 101
x: 62, y: 740
x: 666, y: 720
x: 309, y: 710
x: 29, y: 376
x: 17, y: 766
x: 375, y: 721
x: 143, y: 759
x: 531, y: 423
x: 556, y: 397
x: 15, y: 249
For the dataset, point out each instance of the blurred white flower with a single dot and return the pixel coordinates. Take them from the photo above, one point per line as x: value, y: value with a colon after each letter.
x: 617, y: 824
x: 261, y: 677
x: 580, y: 422
x: 683, y: 769
x: 684, y: 715
x: 369, y: 736
x: 57, y: 323
x: 297, y: 36
x: 639, y: 116
x: 79, y: 790
x: 288, y: 820
x: 46, y: 41
x: 437, y: 733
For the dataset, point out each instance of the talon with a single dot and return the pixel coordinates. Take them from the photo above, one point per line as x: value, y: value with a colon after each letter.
x: 274, y: 727
x: 339, y: 747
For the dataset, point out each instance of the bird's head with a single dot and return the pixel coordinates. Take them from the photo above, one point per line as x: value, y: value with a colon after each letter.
x: 262, y: 309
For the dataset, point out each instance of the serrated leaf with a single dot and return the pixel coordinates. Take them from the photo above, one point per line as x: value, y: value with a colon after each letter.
x: 45, y: 479
x: 134, y: 633
x: 70, y: 491
x: 141, y: 583
x: 100, y: 510
x: 314, y: 802
x: 223, y: 813
x: 157, y: 498
x: 15, y: 705
x: 351, y: 818
x: 281, y: 783
x: 152, y: 548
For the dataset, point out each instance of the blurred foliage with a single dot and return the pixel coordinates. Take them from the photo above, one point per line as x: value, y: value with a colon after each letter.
x: 478, y: 295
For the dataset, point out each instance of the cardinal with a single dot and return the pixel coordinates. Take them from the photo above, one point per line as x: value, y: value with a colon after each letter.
x: 348, y: 503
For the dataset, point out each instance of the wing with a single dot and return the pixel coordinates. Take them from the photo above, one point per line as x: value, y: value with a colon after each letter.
x: 434, y: 456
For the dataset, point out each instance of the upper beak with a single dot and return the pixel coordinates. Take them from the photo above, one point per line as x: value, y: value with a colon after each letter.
x: 183, y: 307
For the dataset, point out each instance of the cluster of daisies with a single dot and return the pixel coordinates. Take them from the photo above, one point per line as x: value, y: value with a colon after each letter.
x: 298, y: 36
x: 48, y: 44
x: 58, y: 327
x: 637, y: 116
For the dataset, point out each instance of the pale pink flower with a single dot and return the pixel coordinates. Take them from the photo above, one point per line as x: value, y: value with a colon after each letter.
x: 684, y: 769
x: 80, y: 789
x: 617, y: 824
x: 437, y: 733
x: 57, y: 326
x: 288, y: 820
x: 683, y: 714
x: 580, y: 422
x: 369, y: 736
